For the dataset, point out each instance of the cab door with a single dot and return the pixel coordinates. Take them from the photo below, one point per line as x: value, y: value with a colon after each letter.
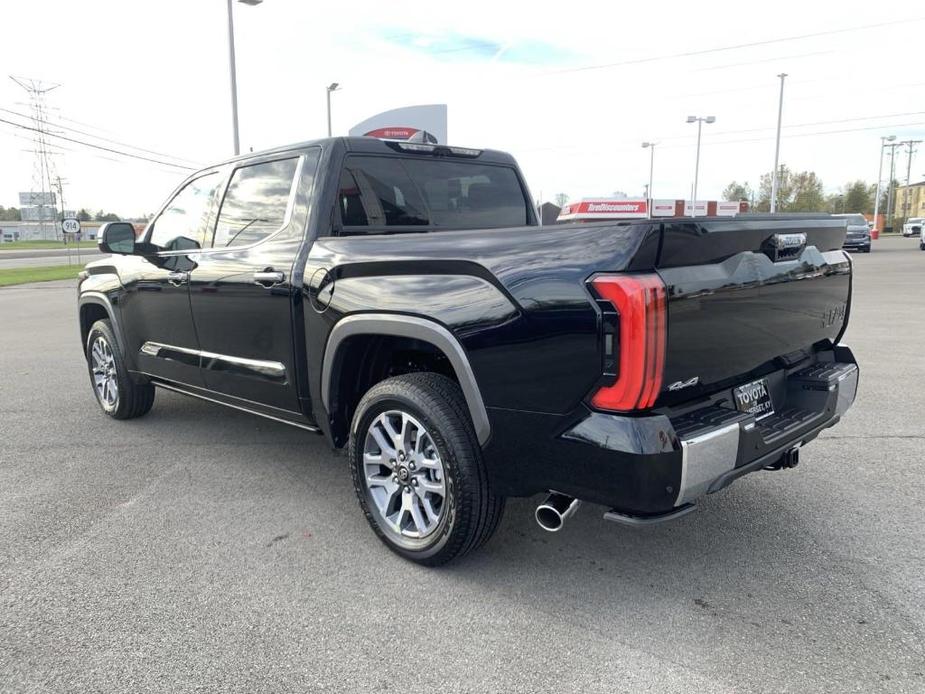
x: 155, y: 308
x: 241, y: 290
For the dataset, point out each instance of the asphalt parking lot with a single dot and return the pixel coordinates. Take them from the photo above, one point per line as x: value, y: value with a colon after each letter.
x: 199, y: 548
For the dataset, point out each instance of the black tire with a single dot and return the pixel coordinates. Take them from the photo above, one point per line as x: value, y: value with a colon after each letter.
x: 131, y: 399
x: 470, y: 511
x: 922, y: 246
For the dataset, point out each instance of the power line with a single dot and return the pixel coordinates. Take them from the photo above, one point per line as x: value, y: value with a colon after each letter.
x: 95, y: 146
x: 734, y: 47
x: 104, y: 139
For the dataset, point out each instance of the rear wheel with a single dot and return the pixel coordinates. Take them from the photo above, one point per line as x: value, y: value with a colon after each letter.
x: 418, y: 471
x: 118, y: 395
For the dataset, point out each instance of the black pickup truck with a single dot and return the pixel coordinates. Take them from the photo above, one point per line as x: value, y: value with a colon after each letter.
x: 402, y: 300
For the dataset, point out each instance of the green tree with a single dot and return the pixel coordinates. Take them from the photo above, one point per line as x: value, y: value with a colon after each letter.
x: 808, y: 194
x: 101, y: 216
x: 858, y: 197
x: 84, y: 215
x: 9, y: 214
x: 796, y: 192
x: 737, y: 191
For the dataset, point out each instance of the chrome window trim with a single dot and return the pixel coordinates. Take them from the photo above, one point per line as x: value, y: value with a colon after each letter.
x: 290, y: 206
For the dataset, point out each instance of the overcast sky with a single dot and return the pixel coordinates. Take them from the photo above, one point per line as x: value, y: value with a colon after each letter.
x: 571, y: 89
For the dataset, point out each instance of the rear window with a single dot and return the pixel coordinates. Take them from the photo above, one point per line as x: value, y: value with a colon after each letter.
x: 377, y: 192
x: 857, y: 220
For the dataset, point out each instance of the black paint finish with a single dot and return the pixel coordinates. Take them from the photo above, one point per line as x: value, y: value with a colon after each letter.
x: 516, y: 300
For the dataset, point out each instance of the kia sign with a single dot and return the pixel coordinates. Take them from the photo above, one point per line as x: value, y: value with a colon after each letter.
x: 70, y: 226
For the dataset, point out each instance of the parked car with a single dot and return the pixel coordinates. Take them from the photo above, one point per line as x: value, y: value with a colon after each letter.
x: 857, y: 237
x: 913, y: 226
x: 401, y: 300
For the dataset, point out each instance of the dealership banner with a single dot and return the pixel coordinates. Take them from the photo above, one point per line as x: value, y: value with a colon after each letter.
x: 427, y: 121
x: 605, y: 209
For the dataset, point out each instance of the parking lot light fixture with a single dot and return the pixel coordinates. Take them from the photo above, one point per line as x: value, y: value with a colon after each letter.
x: 699, y: 120
x: 651, y: 147
x: 333, y: 87
x: 233, y: 73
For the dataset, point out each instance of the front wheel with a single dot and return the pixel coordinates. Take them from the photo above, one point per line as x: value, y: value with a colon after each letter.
x: 118, y: 395
x: 418, y: 471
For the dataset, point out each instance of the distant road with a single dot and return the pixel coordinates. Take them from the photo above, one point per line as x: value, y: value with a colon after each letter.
x: 46, y: 256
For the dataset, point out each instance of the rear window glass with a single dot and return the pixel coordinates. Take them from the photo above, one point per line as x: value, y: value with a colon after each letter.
x: 378, y: 192
x: 857, y: 220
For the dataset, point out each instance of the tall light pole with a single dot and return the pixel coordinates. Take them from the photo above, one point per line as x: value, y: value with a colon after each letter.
x: 883, y: 141
x: 699, y: 121
x: 649, y: 196
x: 775, y: 174
x: 233, y: 73
x: 888, y: 226
x: 333, y: 87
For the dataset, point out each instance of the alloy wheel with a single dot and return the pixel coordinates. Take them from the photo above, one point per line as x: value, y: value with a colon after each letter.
x: 103, y: 367
x: 404, y: 475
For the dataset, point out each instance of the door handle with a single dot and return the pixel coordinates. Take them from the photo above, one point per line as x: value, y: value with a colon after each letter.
x: 269, y: 278
x: 177, y: 278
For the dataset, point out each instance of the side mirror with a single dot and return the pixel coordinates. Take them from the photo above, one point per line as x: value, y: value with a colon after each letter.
x: 116, y: 237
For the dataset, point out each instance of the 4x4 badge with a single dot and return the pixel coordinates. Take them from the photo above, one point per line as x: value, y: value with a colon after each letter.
x: 679, y: 385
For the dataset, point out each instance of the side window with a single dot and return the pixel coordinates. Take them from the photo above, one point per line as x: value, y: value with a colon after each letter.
x: 182, y: 224
x: 255, y: 203
x: 378, y: 192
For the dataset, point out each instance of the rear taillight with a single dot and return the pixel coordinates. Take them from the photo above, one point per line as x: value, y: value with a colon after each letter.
x: 638, y: 340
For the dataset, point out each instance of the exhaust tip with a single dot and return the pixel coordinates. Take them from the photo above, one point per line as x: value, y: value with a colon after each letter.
x: 548, y: 518
x: 552, y: 513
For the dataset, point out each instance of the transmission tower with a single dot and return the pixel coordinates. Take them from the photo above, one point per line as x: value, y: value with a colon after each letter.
x: 44, y: 174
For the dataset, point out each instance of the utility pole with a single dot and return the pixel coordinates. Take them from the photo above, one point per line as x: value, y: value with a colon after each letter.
x: 883, y: 141
x: 907, y: 199
x: 780, y: 115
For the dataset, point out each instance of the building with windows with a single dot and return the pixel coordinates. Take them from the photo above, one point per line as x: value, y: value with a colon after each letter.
x: 910, y: 201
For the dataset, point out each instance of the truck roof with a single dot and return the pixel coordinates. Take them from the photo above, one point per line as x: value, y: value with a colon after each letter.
x: 367, y: 145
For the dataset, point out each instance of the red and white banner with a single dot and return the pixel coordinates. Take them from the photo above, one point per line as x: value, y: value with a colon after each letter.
x: 392, y: 133
x: 663, y: 208
x: 727, y: 209
x: 605, y: 209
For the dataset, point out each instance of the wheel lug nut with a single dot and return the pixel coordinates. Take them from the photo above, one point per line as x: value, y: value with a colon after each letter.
x: 395, y: 478
x: 411, y: 466
x: 414, y: 482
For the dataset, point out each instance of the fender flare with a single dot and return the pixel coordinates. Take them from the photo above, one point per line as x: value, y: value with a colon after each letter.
x: 418, y: 329
x: 101, y: 299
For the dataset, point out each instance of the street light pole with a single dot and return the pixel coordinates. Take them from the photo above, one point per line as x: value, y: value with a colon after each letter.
x: 780, y: 114
x: 649, y: 196
x: 699, y: 121
x: 232, y: 71
x: 333, y: 87
x: 883, y: 141
x: 888, y: 225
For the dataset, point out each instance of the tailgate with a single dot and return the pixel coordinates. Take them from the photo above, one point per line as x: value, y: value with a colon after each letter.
x: 742, y: 294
